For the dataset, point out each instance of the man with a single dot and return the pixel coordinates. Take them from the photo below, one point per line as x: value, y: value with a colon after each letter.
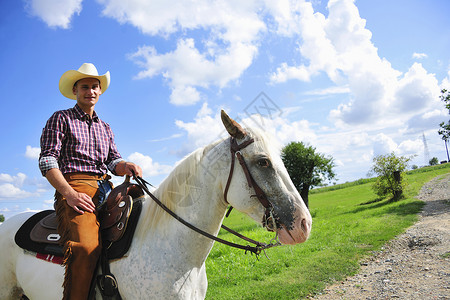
x: 77, y: 149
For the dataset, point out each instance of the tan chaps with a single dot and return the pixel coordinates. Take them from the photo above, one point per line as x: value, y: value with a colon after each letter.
x: 79, y: 236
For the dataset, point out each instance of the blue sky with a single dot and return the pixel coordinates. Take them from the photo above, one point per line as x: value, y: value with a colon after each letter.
x: 352, y: 78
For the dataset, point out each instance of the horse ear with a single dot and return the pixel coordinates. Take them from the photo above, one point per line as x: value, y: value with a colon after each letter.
x: 233, y: 128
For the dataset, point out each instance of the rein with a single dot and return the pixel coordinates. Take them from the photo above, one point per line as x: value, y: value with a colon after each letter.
x: 235, y: 151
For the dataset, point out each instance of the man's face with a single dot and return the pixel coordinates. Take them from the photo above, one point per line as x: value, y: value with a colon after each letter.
x: 88, y: 91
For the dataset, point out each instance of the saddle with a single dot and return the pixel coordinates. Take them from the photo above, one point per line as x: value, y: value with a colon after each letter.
x: 118, y: 217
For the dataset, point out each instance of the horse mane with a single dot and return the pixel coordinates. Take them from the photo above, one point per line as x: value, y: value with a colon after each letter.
x: 173, y: 189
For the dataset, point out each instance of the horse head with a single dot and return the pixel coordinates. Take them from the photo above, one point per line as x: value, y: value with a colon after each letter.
x: 270, y: 197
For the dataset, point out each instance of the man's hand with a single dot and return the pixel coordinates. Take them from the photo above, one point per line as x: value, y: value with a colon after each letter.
x: 131, y: 167
x: 127, y: 168
x: 80, y: 202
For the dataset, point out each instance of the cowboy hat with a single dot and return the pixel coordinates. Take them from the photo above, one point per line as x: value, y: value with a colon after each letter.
x: 87, y: 70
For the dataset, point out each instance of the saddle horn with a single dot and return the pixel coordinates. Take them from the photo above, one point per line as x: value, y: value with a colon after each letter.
x: 233, y: 128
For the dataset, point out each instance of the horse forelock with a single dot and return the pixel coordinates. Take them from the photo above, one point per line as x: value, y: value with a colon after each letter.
x: 265, y: 142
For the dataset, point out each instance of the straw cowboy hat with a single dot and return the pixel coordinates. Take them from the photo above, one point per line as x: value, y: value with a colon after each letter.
x: 87, y: 70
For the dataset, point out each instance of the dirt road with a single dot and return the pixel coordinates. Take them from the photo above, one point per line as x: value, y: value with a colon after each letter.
x: 415, y: 265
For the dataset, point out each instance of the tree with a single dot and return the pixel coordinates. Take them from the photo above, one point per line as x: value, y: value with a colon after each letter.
x: 445, y: 128
x: 390, y: 170
x: 434, y: 161
x: 2, y: 218
x: 306, y: 167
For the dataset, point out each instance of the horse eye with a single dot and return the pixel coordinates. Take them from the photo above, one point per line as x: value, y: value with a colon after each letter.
x: 264, y: 163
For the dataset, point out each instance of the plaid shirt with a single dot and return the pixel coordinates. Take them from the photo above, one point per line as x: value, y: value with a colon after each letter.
x: 72, y: 142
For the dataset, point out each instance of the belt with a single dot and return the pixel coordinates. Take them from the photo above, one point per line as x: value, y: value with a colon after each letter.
x: 86, y: 176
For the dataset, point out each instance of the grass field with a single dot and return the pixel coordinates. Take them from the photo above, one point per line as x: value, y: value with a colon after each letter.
x: 349, y: 222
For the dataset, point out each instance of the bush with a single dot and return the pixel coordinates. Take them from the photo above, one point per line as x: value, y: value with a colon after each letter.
x: 434, y: 161
x: 390, y: 170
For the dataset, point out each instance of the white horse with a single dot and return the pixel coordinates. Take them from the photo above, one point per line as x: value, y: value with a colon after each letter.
x: 167, y: 259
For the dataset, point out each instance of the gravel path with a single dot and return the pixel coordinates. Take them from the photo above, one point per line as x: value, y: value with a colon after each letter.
x: 416, y: 264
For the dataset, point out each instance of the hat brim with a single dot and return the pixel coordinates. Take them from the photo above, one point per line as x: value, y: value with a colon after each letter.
x: 69, y: 78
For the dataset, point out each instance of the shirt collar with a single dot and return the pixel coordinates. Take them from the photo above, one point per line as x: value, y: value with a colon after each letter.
x: 84, y: 116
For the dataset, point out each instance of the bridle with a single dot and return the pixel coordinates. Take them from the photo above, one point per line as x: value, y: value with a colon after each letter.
x: 268, y: 219
x: 235, y: 148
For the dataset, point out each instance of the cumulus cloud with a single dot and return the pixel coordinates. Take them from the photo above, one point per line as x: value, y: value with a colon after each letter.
x: 149, y: 167
x: 219, y: 55
x: 11, y: 186
x: 32, y: 152
x: 203, y: 130
x: 54, y: 13
x: 340, y: 46
x: 8, y: 191
x: 426, y: 121
x: 417, y: 90
x: 384, y: 144
x: 17, y: 180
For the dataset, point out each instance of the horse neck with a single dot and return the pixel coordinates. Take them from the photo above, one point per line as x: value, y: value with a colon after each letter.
x: 194, y: 193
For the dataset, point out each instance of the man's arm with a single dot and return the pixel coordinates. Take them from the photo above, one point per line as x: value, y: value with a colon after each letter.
x: 80, y: 202
x: 127, y: 168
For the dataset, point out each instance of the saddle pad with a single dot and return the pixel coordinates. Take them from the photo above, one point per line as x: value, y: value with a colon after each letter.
x: 24, y: 241
x: 51, y: 258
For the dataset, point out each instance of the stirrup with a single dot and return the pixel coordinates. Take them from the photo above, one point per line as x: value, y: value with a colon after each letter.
x: 108, y: 285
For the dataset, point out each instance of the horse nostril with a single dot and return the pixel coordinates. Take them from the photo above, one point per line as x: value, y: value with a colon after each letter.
x: 305, y: 226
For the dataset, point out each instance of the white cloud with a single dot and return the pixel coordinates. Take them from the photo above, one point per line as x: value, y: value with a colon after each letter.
x: 17, y: 180
x: 8, y: 191
x: 329, y: 91
x: 383, y: 144
x: 419, y: 55
x: 149, y: 167
x: 227, y: 46
x: 173, y: 136
x: 32, y: 152
x: 54, y: 13
x: 340, y: 46
x: 182, y: 95
x: 417, y: 90
x: 410, y: 147
x: 205, y: 129
x: 426, y: 121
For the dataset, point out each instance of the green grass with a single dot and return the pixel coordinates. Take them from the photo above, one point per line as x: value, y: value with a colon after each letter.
x: 348, y: 224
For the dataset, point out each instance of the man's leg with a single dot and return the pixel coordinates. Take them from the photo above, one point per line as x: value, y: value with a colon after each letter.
x: 80, y: 235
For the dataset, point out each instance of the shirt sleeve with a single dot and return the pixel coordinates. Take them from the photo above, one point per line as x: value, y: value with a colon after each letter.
x: 51, y: 142
x: 114, y: 156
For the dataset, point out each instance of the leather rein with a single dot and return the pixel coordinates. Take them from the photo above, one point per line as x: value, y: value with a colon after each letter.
x: 268, y: 219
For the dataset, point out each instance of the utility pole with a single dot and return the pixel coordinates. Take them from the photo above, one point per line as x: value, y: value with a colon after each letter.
x: 446, y: 149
